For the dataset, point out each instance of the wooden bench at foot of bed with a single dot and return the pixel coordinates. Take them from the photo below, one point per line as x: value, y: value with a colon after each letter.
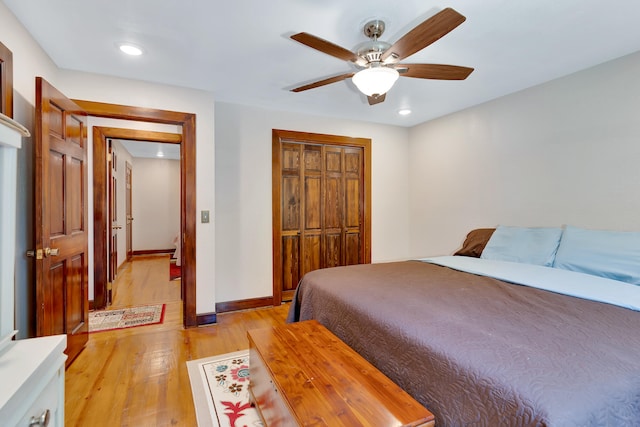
x: 301, y: 375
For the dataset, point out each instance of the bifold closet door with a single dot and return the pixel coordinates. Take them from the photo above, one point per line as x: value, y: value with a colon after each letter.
x: 322, y: 210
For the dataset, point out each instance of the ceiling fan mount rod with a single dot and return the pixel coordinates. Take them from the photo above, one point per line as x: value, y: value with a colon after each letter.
x: 374, y: 29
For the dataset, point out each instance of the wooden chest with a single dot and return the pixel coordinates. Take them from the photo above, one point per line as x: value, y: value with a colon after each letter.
x: 303, y: 375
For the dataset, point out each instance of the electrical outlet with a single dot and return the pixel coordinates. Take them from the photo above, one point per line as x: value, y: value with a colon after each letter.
x: 204, y: 216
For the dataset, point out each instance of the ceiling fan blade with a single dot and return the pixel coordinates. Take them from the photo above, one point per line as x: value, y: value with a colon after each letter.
x: 423, y: 35
x: 435, y: 71
x: 327, y: 47
x: 373, y: 100
x: 323, y: 82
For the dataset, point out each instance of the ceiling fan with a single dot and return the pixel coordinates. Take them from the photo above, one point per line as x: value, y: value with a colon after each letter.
x: 378, y: 62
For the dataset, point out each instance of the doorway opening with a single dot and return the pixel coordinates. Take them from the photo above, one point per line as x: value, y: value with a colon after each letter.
x: 187, y: 191
x: 144, y: 245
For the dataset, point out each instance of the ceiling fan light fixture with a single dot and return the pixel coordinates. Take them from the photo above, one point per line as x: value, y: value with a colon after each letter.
x: 375, y: 80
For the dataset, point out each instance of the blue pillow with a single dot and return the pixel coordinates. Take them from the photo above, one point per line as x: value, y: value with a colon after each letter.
x: 521, y: 244
x: 611, y: 254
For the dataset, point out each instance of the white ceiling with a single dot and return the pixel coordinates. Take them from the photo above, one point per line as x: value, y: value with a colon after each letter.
x: 151, y: 150
x: 240, y: 50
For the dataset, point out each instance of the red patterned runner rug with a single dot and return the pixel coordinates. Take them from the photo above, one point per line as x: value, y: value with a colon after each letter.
x: 220, y: 388
x: 107, y: 320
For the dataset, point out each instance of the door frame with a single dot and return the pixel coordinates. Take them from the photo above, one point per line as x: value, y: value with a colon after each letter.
x: 187, y: 184
x: 278, y: 137
x: 128, y: 171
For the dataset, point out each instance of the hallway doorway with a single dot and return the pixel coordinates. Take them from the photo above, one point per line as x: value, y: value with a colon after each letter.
x: 144, y: 214
x: 187, y: 189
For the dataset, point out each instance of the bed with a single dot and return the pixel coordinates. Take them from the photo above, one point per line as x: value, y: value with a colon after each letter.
x: 477, y: 348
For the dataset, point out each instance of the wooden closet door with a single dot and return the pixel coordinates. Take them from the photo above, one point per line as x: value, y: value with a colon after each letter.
x: 321, y: 197
x: 333, y: 208
x: 354, y: 214
x: 289, y: 221
x: 311, y: 212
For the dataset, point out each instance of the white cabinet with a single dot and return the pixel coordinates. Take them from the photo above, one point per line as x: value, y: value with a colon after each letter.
x: 11, y: 134
x: 32, y: 377
x: 31, y: 370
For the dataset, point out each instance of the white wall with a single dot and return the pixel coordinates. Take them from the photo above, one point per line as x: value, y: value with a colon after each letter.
x: 155, y: 203
x: 565, y: 152
x: 243, y: 192
x: 29, y: 61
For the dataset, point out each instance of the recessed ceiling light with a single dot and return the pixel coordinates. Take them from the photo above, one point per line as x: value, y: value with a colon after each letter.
x: 404, y: 112
x: 160, y: 154
x: 130, y: 49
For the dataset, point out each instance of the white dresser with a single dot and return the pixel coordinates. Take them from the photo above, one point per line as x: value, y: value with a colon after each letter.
x: 32, y: 377
x: 31, y: 370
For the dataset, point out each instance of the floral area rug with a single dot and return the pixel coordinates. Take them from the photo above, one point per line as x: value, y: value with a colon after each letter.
x: 106, y: 320
x: 220, y: 388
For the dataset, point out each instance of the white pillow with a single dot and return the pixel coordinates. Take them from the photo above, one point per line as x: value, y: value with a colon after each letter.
x: 523, y: 244
x: 611, y: 254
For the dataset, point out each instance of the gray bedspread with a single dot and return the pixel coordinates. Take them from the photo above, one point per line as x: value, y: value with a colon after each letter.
x: 477, y: 351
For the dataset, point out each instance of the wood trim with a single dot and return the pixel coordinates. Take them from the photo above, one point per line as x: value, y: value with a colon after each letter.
x: 276, y: 194
x: 100, y: 218
x: 154, y: 251
x: 126, y: 112
x: 279, y: 136
x: 6, y: 81
x: 246, y: 304
x: 187, y: 184
x: 206, y: 319
x: 100, y: 199
x: 188, y: 215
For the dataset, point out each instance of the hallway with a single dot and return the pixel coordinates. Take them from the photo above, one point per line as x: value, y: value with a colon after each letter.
x: 145, y: 280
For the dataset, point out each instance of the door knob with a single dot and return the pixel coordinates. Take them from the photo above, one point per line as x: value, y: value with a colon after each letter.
x: 117, y: 227
x: 51, y: 251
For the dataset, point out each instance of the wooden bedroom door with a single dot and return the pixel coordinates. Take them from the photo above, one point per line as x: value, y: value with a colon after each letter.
x: 61, y: 251
x: 321, y: 205
x: 113, y: 220
x: 129, y: 218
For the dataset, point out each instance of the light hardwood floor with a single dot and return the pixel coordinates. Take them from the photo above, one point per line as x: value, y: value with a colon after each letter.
x: 138, y: 376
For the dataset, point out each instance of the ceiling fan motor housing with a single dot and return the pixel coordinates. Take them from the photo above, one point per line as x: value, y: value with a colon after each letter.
x: 372, y: 50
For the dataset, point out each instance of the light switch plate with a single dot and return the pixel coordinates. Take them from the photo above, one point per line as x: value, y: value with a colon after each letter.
x: 204, y: 216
